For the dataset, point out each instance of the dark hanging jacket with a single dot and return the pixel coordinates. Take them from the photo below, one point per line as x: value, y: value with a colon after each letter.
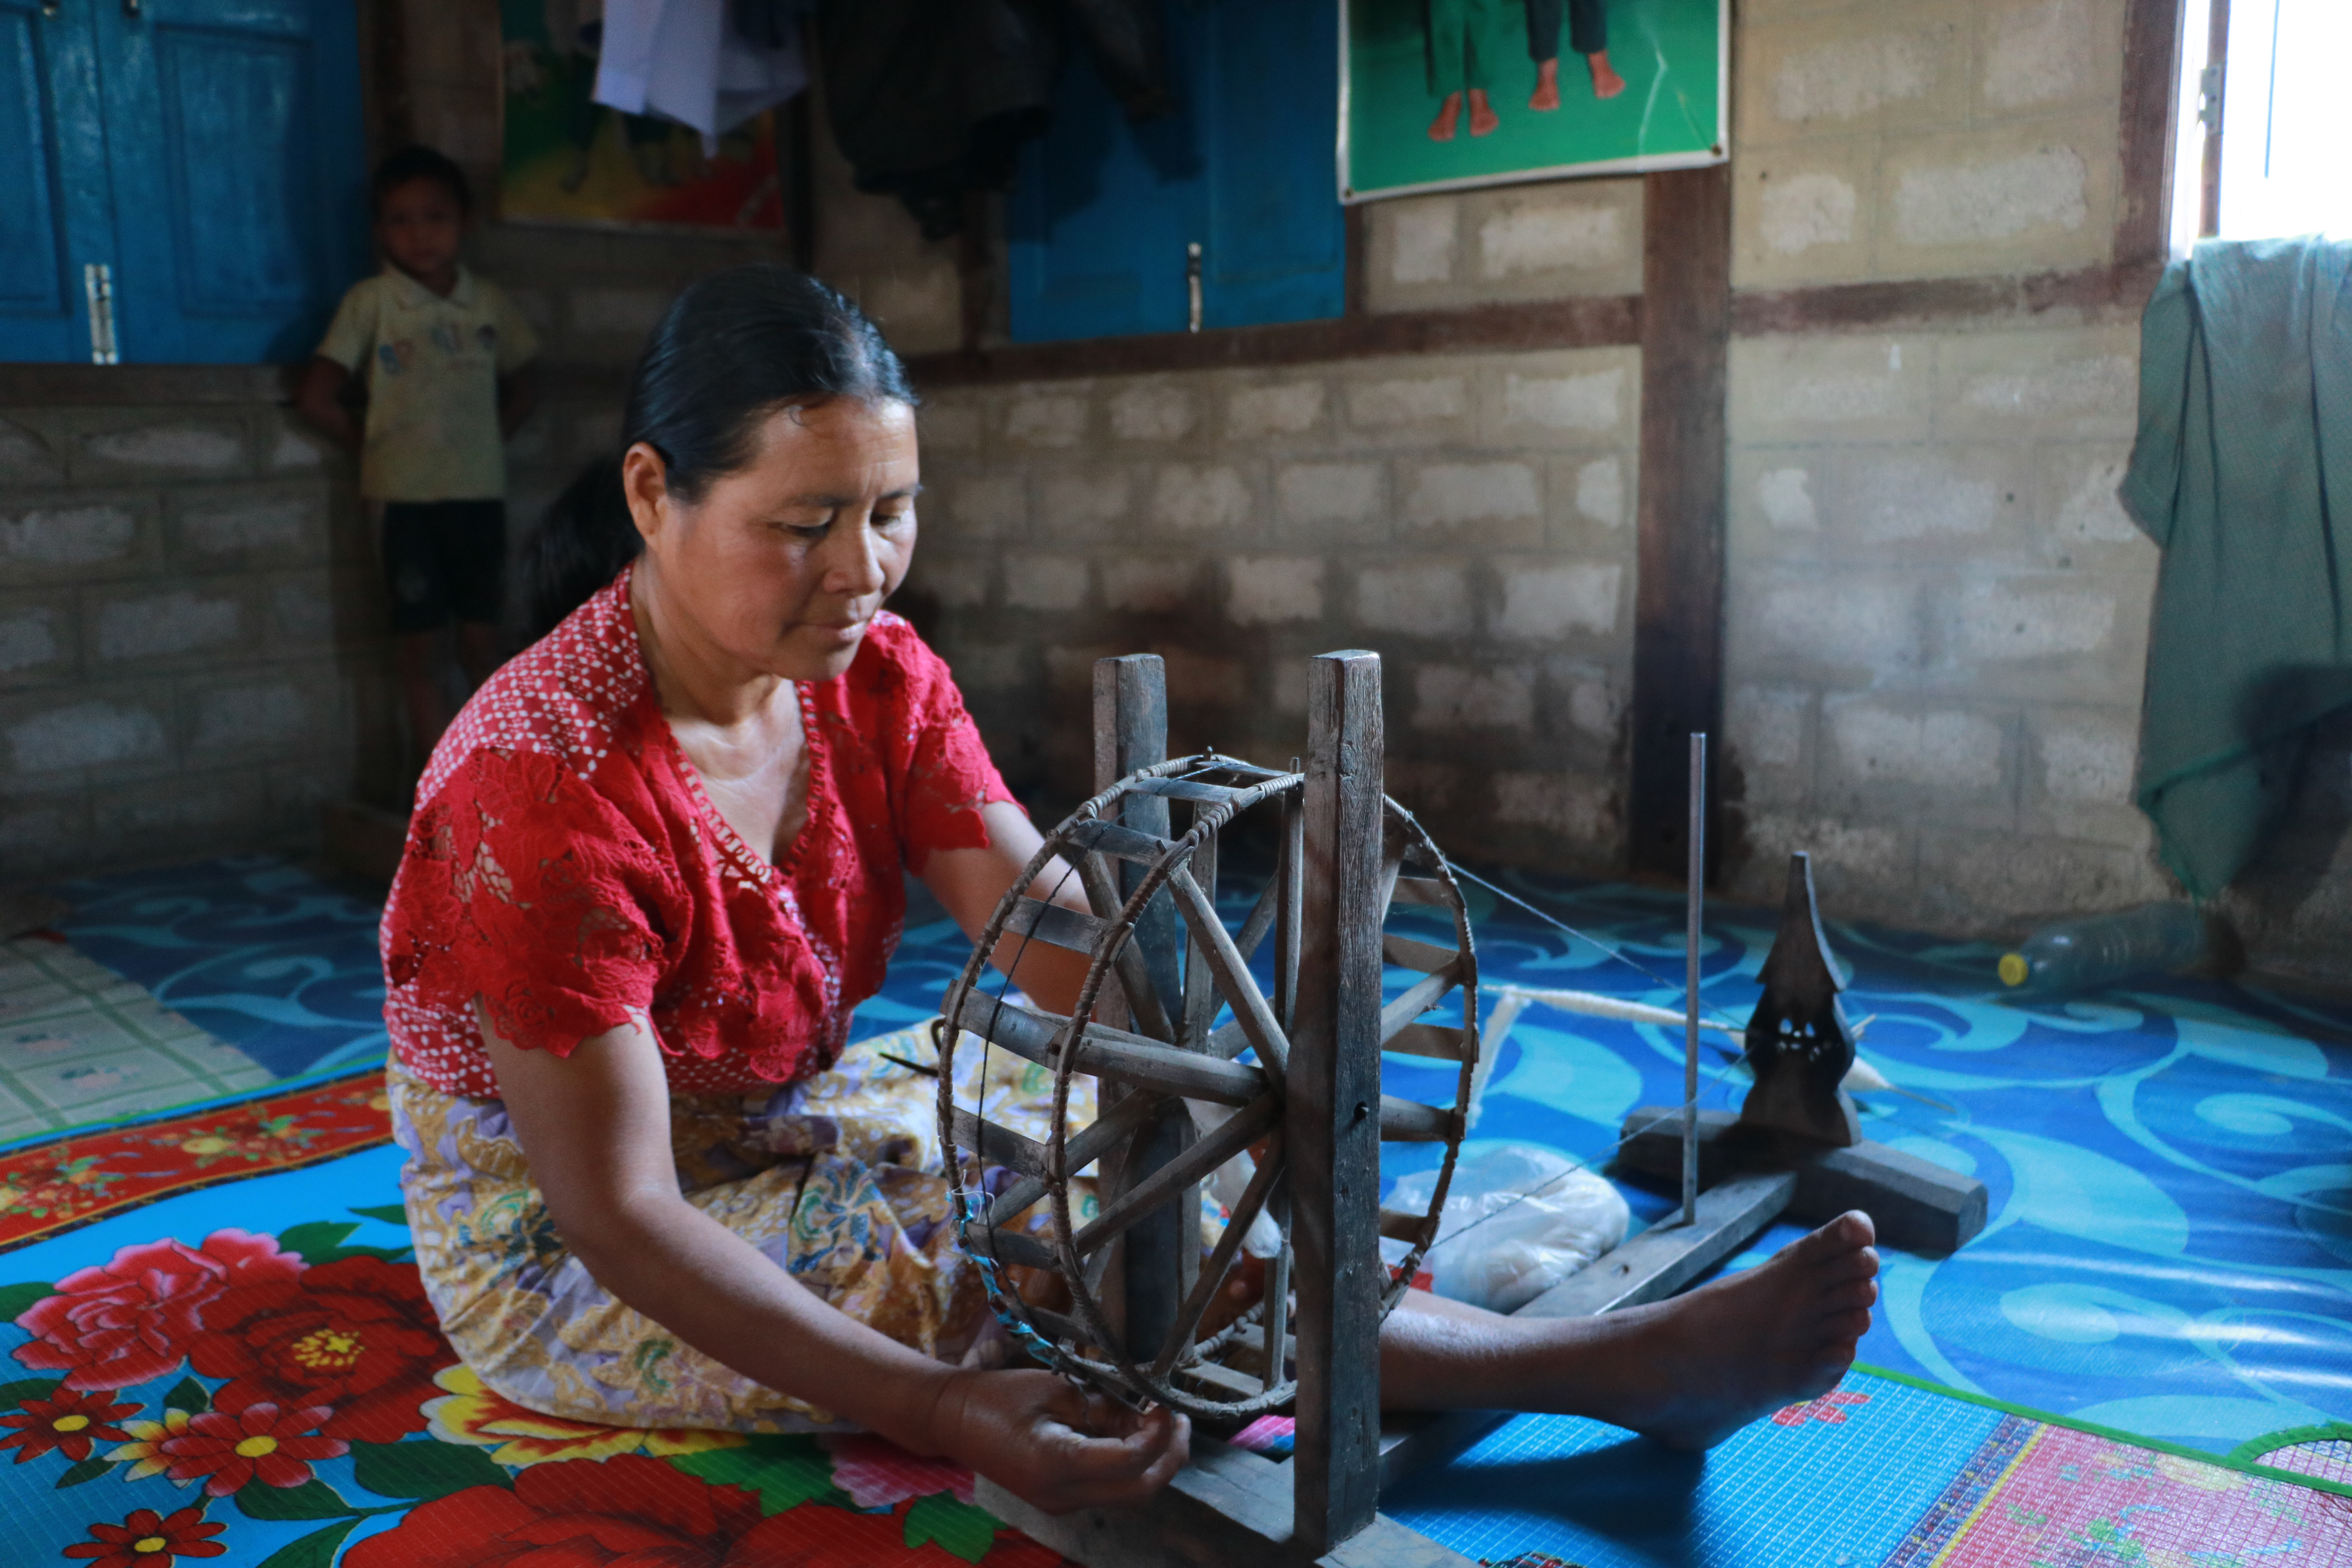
x: 930, y: 99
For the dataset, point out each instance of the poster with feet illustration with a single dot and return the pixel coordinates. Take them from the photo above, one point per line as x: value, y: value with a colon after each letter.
x: 1439, y: 95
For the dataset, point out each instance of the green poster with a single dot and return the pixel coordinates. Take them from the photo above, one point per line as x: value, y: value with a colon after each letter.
x: 1444, y: 94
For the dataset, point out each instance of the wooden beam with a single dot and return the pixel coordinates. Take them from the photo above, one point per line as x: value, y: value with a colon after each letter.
x: 2151, y: 87
x: 2104, y: 291
x: 1601, y: 322
x: 1668, y: 1256
x: 1678, y: 602
x: 1228, y: 1506
x: 1131, y: 734
x: 1334, y: 1122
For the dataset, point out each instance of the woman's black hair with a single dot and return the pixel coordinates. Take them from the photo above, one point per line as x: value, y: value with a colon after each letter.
x: 733, y: 349
x: 581, y: 543
x: 736, y: 347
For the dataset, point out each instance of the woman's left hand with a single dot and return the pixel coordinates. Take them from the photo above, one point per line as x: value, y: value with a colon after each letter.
x: 1056, y: 1445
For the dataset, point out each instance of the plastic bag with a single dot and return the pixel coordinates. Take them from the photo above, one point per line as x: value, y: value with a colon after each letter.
x: 1496, y: 1246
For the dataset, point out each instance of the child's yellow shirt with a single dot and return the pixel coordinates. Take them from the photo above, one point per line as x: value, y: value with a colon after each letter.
x: 433, y: 366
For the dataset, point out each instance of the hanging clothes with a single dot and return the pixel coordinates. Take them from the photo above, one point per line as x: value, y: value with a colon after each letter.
x: 688, y: 60
x: 931, y: 98
x: 2241, y: 474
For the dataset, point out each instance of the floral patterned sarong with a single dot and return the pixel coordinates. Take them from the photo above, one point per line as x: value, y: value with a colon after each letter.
x: 835, y: 1178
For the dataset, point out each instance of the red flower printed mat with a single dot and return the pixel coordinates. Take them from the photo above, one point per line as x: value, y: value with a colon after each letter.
x: 218, y: 1348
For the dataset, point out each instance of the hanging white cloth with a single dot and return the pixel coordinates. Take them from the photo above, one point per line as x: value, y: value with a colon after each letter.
x: 685, y: 60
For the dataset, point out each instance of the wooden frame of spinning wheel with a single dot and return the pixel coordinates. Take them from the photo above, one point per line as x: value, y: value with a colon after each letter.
x: 1313, y: 1104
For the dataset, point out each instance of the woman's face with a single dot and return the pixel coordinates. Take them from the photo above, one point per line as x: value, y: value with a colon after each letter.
x: 782, y: 564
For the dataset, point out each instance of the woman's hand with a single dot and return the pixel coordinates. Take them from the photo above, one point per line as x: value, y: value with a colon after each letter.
x: 1055, y: 1446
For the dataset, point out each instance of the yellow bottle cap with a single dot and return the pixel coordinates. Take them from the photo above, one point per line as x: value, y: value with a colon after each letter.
x: 2014, y: 970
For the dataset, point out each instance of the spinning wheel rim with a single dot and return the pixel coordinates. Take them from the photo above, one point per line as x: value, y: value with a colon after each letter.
x: 1127, y: 1369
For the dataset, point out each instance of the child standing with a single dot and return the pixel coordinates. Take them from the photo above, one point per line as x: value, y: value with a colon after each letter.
x: 444, y: 353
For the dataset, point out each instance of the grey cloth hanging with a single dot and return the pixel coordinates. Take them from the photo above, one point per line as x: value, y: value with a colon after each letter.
x: 2241, y: 472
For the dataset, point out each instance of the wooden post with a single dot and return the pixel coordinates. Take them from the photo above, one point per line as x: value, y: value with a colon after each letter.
x: 1678, y: 599
x: 1333, y: 1126
x: 1131, y: 732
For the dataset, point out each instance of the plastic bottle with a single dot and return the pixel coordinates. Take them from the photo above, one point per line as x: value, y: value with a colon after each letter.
x: 2079, y: 955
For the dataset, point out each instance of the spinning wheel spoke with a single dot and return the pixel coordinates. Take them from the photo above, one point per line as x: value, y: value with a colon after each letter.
x: 1245, y: 1128
x: 1109, y: 1130
x: 1232, y: 973
x: 1409, y: 1121
x: 1213, y: 1272
x: 1260, y: 921
x: 1418, y: 998
x: 1058, y: 926
x: 1134, y: 979
x: 1111, y: 1053
x: 1442, y: 1041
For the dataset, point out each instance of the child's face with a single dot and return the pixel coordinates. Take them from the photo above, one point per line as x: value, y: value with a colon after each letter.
x: 419, y: 224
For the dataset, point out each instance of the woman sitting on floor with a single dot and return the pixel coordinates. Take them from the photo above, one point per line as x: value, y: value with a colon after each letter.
x: 654, y: 866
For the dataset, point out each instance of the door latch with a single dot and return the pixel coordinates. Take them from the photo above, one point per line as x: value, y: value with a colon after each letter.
x: 98, y: 282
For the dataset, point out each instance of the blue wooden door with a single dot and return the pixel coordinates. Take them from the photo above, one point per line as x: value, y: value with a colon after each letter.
x: 238, y: 173
x: 1103, y: 210
x: 1266, y: 87
x: 53, y: 187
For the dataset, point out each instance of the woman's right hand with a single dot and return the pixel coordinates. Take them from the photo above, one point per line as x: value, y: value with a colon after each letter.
x: 1054, y: 1446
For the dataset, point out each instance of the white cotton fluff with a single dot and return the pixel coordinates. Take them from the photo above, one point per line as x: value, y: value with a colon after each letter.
x: 1529, y: 1243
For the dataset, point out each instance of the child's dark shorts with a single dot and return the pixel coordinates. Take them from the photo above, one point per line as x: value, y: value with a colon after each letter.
x: 444, y: 560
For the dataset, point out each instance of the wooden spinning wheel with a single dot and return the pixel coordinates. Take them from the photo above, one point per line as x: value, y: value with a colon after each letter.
x: 1166, y: 967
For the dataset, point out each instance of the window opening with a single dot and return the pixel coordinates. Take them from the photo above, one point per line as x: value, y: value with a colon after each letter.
x: 2262, y: 119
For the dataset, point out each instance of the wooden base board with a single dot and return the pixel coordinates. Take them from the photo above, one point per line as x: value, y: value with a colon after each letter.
x: 1228, y: 1506
x: 1918, y: 1207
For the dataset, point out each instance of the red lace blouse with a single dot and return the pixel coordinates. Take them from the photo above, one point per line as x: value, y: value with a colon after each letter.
x: 564, y: 865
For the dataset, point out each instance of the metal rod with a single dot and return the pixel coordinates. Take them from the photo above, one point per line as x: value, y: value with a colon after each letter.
x: 1690, y: 976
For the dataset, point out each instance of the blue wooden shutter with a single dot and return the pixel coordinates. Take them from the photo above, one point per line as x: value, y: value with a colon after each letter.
x: 1100, y: 214
x: 1274, y: 242
x: 240, y: 199
x: 1103, y: 210
x: 52, y: 181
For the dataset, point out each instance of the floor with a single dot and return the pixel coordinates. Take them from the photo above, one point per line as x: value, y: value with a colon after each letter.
x: 2170, y: 1164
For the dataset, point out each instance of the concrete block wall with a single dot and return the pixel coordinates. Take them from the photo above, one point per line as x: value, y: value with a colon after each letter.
x: 1936, y: 623
x: 1937, y: 611
x: 1469, y: 517
x: 1903, y: 139
x: 192, y: 653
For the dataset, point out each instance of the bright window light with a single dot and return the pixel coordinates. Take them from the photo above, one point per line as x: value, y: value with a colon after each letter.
x: 2286, y: 119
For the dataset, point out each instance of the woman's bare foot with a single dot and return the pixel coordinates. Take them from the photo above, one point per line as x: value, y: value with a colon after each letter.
x: 1441, y: 128
x: 1606, y: 82
x: 1713, y: 1361
x: 1483, y: 117
x: 1688, y: 1372
x: 1547, y: 93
